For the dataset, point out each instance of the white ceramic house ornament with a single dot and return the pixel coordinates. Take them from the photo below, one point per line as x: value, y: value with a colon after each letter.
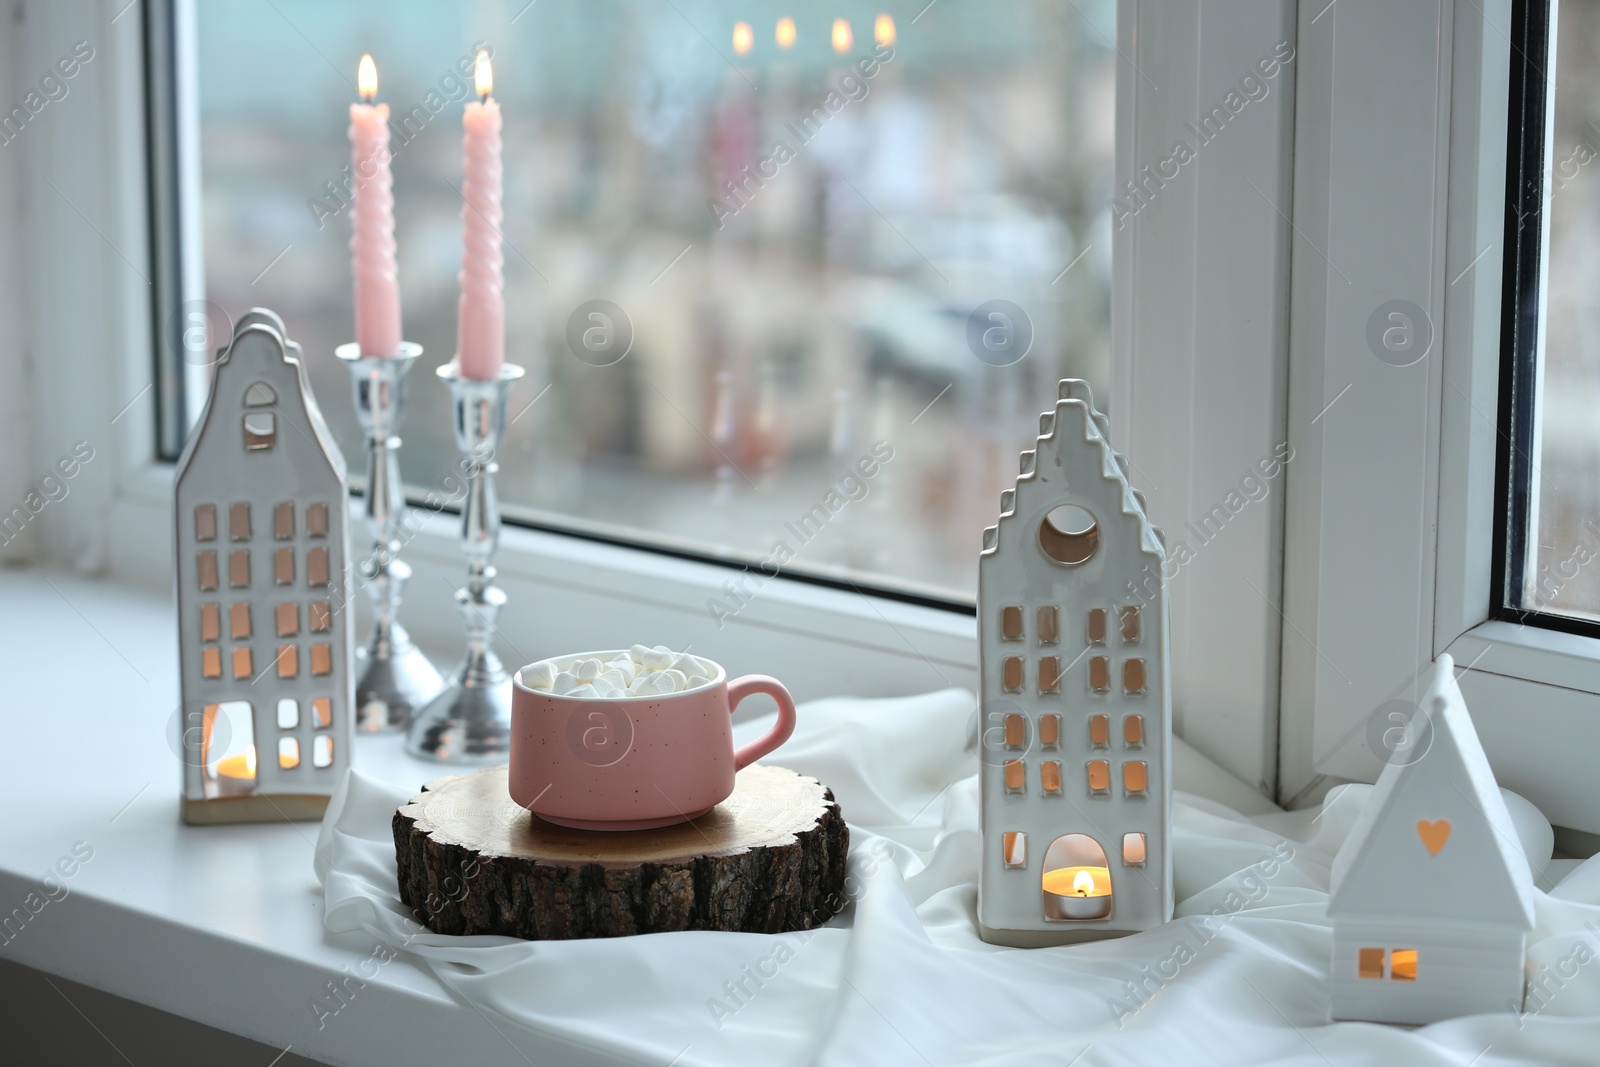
x: 1431, y: 898
x: 263, y: 574
x: 1072, y: 624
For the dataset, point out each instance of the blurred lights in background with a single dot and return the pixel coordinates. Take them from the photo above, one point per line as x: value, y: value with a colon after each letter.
x: 843, y: 38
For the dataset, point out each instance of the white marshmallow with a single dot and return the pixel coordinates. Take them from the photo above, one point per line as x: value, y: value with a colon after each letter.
x: 613, y: 678
x: 581, y: 692
x: 654, y: 684
x: 659, y: 658
x: 539, y: 675
x: 637, y: 653
x: 680, y: 681
x: 564, y: 683
x: 587, y: 669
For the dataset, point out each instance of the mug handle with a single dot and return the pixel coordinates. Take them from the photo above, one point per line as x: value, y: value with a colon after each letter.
x: 748, y: 685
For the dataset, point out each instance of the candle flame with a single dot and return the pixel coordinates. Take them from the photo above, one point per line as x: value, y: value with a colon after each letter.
x: 1083, y: 884
x: 883, y: 30
x: 785, y: 33
x: 240, y: 765
x: 843, y: 36
x: 483, y: 75
x: 367, y: 79
x: 743, y: 38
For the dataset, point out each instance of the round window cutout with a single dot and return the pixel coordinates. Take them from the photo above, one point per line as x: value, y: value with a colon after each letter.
x: 1069, y: 535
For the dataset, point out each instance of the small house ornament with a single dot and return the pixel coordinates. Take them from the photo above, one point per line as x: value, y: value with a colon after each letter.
x: 1075, y: 708
x: 262, y: 570
x: 1431, y: 896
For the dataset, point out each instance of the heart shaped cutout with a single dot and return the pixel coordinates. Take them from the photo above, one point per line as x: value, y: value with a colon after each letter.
x: 1434, y: 834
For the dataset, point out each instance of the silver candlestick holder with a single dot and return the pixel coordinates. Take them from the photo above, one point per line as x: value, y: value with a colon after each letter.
x: 395, y: 678
x: 471, y: 719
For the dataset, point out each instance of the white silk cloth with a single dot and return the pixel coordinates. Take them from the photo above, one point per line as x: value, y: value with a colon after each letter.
x: 900, y: 976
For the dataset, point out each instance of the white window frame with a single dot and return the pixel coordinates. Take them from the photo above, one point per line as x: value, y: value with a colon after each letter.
x: 1389, y: 541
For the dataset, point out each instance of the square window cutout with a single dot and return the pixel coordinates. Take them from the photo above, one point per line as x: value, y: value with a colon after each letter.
x: 1014, y: 848
x: 1011, y: 623
x: 1133, y: 846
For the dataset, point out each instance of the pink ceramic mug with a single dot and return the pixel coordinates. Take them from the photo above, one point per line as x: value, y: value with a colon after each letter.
x: 637, y: 762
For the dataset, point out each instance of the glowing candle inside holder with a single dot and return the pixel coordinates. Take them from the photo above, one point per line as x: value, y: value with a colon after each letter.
x: 1077, y: 893
x: 236, y: 774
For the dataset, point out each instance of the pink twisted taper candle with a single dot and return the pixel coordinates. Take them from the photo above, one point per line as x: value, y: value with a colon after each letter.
x: 372, y: 243
x: 481, y: 314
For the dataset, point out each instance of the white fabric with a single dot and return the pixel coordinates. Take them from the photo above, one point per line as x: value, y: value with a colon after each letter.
x: 900, y: 976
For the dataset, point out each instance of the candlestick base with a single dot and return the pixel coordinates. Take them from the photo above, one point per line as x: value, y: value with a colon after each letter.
x: 464, y: 726
x: 395, y: 679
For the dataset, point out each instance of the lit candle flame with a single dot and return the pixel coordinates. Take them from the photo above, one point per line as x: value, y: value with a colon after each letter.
x: 367, y: 79
x: 239, y: 765
x: 743, y: 38
x: 483, y: 75
x: 843, y: 36
x: 883, y: 30
x: 1083, y: 884
x: 785, y: 33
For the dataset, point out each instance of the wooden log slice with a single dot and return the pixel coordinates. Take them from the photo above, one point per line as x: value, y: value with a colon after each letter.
x: 769, y: 859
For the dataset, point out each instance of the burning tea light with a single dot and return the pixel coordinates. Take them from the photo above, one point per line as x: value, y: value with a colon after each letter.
x: 1078, y: 892
x: 236, y: 774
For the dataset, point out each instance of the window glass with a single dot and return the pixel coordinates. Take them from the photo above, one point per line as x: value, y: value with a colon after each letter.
x: 1565, y: 494
x: 836, y: 354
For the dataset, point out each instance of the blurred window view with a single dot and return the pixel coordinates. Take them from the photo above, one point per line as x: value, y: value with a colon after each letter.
x: 826, y: 272
x: 1565, y: 487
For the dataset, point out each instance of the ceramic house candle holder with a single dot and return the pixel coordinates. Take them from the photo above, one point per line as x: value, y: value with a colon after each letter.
x: 1431, y: 896
x: 1075, y: 709
x: 262, y: 569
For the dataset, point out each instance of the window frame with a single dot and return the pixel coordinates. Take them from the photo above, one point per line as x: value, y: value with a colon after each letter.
x: 1433, y: 502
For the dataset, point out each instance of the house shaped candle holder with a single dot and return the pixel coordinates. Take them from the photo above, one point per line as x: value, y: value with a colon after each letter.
x: 1431, y: 896
x: 1074, y: 704
x: 262, y: 569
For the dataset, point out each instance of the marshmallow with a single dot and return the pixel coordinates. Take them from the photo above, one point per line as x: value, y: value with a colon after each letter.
x: 614, y: 679
x: 653, y: 684
x: 680, y: 681
x: 540, y: 675
x: 587, y: 669
x: 624, y: 666
x: 565, y: 683
x: 657, y: 659
x: 637, y: 653
x: 581, y: 692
